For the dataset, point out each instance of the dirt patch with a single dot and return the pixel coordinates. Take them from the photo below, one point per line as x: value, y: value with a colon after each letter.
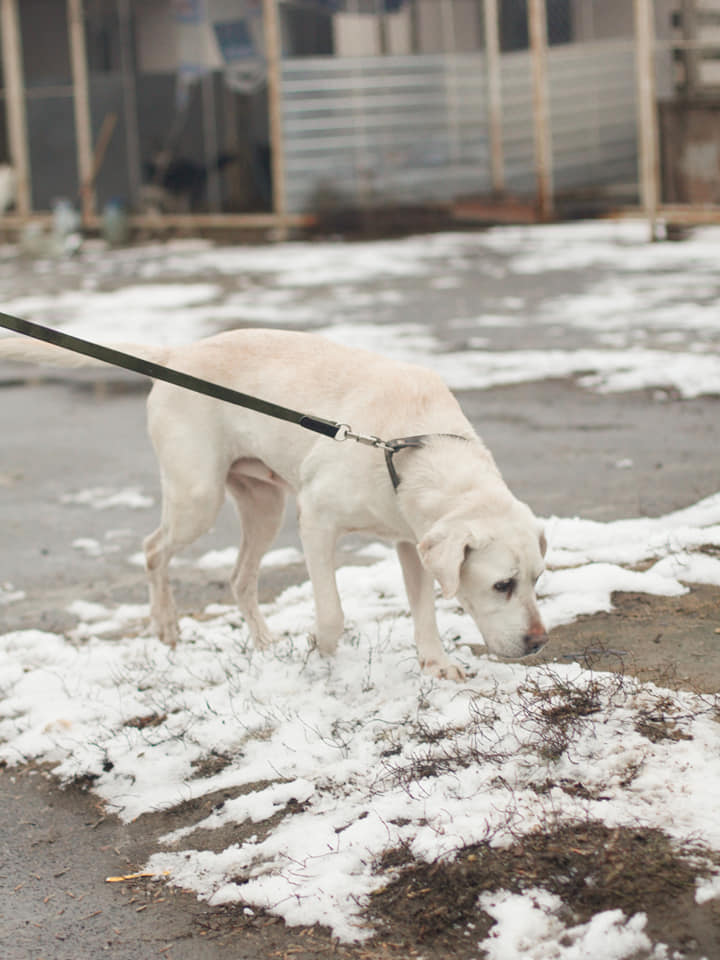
x: 671, y: 641
x: 434, y: 906
x: 216, y: 838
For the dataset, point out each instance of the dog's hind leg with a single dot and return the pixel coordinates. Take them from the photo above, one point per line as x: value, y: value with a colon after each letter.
x: 261, y: 507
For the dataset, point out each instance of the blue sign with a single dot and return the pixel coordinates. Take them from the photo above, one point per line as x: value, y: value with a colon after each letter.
x: 235, y: 40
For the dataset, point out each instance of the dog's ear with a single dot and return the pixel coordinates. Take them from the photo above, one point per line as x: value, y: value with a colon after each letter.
x: 442, y: 552
x: 543, y: 541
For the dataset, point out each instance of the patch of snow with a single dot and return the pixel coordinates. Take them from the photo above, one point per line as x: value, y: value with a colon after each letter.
x: 528, y: 928
x: 226, y: 558
x: 639, y: 291
x: 105, y: 498
x: 8, y: 594
x: 282, y: 719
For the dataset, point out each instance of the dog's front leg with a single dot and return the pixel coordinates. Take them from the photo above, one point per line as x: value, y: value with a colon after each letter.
x: 420, y: 588
x: 162, y: 605
x: 318, y: 539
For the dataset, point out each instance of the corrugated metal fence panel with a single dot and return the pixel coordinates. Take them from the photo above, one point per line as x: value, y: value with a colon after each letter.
x: 414, y: 129
x: 517, y: 122
x: 593, y: 114
x: 403, y: 129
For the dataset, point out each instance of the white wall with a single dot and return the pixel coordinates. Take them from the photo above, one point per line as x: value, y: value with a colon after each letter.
x: 163, y: 44
x: 603, y: 19
x: 156, y: 47
x: 356, y: 35
x: 443, y: 26
x: 398, y: 31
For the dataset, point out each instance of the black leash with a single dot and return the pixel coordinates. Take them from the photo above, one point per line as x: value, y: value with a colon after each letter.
x: 157, y: 371
x: 148, y: 368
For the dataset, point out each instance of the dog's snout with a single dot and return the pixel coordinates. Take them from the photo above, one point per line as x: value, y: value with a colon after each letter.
x: 535, y: 640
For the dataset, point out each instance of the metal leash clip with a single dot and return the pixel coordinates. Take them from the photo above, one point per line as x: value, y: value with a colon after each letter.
x: 345, y: 432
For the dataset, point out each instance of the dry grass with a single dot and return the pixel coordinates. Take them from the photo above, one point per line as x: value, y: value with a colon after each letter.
x: 590, y: 866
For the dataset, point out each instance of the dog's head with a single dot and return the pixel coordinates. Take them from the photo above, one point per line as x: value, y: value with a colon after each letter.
x: 492, y: 564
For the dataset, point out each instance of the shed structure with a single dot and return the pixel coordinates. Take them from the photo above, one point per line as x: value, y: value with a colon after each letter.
x: 266, y: 113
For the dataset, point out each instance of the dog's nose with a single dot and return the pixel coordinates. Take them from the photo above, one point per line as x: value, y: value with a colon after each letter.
x: 534, y: 642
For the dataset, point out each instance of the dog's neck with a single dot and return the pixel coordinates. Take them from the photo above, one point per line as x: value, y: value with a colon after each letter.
x: 392, y: 447
x: 435, y: 475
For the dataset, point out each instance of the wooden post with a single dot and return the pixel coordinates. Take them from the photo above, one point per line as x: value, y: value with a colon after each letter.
x: 648, y: 162
x: 273, y: 59
x: 537, y: 24
x: 15, y: 104
x: 81, y: 100
x: 494, y: 86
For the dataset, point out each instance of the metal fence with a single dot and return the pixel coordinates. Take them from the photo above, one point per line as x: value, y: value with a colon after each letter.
x: 361, y: 130
x: 416, y: 129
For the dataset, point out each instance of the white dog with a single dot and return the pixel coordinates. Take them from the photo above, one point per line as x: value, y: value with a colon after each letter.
x: 440, y: 499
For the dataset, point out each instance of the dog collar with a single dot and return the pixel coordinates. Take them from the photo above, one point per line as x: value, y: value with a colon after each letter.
x: 391, y: 447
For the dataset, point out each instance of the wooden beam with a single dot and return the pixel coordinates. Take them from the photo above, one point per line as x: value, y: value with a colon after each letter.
x: 682, y: 214
x: 689, y: 214
x: 494, y: 88
x: 220, y: 221
x: 187, y: 221
x: 14, y: 83
x: 273, y: 58
x: 537, y: 27
x: 81, y: 102
x: 648, y: 151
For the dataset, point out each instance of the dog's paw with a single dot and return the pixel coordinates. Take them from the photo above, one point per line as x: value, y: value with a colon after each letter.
x: 168, y: 634
x: 263, y: 640
x: 326, y: 646
x: 444, y: 669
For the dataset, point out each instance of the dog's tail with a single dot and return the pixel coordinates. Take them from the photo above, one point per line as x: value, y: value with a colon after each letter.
x: 26, y: 350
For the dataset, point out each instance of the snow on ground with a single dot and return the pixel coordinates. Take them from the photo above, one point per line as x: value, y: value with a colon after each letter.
x: 341, y: 747
x: 104, y: 498
x: 649, y: 311
x: 225, y: 559
x: 527, y: 928
x: 8, y: 594
x: 337, y: 752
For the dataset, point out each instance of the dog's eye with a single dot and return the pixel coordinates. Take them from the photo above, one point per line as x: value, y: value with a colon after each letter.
x: 505, y: 586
